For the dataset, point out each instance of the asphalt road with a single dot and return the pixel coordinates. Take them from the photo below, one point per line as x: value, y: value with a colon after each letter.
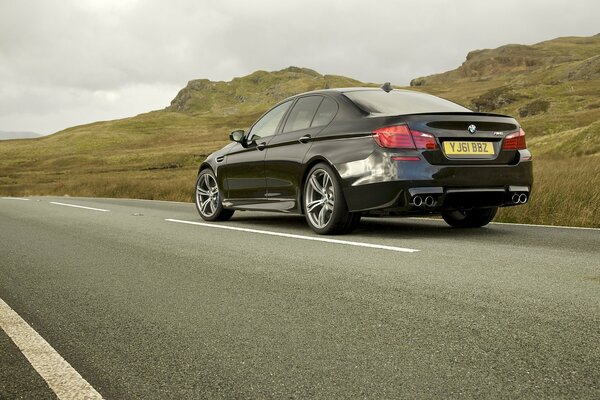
x: 146, y: 308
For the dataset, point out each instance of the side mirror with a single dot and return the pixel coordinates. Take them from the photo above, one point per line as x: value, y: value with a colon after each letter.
x: 237, y: 136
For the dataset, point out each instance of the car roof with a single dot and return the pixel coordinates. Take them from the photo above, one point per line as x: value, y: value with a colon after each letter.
x: 352, y: 89
x: 348, y: 90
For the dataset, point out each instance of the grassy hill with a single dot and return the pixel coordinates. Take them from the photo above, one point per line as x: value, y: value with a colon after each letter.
x: 153, y: 155
x: 552, y: 87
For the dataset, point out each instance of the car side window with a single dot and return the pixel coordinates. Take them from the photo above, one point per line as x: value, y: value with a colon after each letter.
x: 302, y: 114
x: 325, y: 113
x: 267, y: 125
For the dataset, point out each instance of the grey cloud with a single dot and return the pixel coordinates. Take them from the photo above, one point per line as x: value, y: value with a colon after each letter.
x: 64, y: 51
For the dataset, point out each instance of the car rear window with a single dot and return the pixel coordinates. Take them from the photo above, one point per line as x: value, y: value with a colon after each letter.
x: 399, y: 102
x: 325, y: 113
x: 303, y: 113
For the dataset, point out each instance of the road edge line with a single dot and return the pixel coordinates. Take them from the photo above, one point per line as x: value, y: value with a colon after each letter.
x: 62, y: 378
x: 585, y: 228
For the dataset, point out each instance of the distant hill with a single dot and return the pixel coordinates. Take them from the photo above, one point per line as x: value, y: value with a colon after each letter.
x: 553, y: 88
x: 6, y: 135
x: 252, y: 93
x: 549, y: 62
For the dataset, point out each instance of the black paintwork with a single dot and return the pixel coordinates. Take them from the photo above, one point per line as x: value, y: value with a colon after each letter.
x: 268, y: 174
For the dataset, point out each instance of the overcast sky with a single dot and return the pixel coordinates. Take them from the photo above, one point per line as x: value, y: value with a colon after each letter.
x: 69, y: 62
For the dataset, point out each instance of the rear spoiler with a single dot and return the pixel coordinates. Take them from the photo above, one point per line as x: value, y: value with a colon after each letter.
x: 474, y: 114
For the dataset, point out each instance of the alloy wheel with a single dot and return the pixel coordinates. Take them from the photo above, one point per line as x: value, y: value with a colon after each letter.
x: 319, y: 198
x: 207, y: 195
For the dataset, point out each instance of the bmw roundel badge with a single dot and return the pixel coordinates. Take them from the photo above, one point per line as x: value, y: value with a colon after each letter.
x: 472, y: 129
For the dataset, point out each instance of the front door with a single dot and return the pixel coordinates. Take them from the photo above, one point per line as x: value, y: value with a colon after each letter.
x: 244, y: 169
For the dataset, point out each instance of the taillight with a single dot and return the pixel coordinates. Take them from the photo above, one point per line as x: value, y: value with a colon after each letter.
x: 515, y: 141
x: 394, y: 137
x: 401, y: 137
x: 424, y: 140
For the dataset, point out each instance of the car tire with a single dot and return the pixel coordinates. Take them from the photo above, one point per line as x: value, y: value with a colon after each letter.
x: 324, y: 204
x: 208, y: 198
x: 474, y: 218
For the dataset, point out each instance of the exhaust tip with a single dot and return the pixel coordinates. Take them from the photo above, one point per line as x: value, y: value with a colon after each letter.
x: 417, y: 201
x: 523, y: 198
x: 429, y: 201
x: 516, y: 199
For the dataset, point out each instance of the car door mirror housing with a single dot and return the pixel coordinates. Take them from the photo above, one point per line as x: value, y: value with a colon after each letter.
x: 237, y: 136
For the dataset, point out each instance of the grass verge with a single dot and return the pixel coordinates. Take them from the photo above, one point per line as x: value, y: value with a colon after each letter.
x: 565, y: 191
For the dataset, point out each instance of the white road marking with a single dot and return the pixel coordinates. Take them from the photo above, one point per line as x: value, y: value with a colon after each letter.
x: 547, y: 226
x: 516, y: 224
x: 15, y: 198
x: 58, y: 373
x: 293, y: 236
x: 131, y: 199
x: 76, y: 206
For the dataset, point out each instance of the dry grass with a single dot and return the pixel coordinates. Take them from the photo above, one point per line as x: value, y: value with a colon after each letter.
x: 565, y: 192
x: 169, y: 184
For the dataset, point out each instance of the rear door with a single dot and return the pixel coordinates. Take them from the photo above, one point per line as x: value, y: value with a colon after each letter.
x: 286, y: 150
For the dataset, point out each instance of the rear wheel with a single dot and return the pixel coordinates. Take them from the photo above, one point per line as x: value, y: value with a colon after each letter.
x: 208, y: 198
x: 474, y: 218
x: 324, y: 203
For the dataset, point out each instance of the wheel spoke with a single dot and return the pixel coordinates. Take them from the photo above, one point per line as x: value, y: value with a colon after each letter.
x: 203, y: 192
x: 204, y: 204
x: 310, y: 207
x: 326, y: 181
x: 322, y: 216
x: 315, y: 184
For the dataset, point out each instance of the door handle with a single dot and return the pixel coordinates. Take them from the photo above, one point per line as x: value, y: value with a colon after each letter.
x: 261, y: 146
x: 305, y: 139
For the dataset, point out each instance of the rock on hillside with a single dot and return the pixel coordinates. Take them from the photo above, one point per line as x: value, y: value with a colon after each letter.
x: 568, y: 58
x: 251, y: 93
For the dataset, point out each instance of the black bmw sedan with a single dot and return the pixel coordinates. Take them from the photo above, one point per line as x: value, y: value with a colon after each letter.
x: 335, y: 155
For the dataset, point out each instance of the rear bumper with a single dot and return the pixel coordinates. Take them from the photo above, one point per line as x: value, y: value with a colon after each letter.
x: 395, y: 187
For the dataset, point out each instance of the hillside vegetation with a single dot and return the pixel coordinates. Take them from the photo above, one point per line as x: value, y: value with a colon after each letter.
x: 552, y: 87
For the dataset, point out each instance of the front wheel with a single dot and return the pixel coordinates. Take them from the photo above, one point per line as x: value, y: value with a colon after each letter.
x: 474, y: 218
x: 324, y: 203
x: 208, y: 198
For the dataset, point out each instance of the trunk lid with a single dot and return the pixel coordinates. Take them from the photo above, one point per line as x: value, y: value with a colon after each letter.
x: 465, y: 138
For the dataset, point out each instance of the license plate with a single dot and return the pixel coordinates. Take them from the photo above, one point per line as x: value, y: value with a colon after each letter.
x: 468, y: 148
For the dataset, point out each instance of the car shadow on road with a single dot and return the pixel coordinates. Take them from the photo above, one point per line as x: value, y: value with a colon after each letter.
x: 373, y: 227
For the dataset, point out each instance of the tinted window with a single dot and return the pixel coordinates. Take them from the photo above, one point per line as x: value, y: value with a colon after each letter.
x: 267, y: 125
x: 302, y: 114
x: 325, y: 113
x: 401, y: 102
